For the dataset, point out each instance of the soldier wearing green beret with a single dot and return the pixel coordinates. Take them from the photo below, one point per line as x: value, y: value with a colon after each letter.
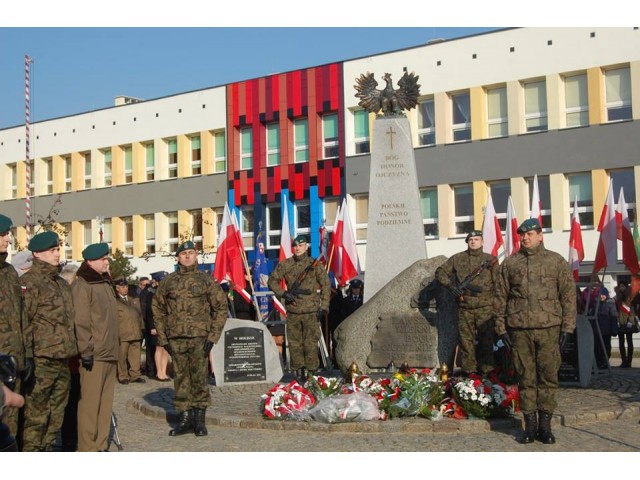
x: 535, y: 307
x: 11, y: 319
x: 96, y: 321
x: 305, y: 308
x: 50, y: 341
x: 475, y: 311
x: 189, y: 311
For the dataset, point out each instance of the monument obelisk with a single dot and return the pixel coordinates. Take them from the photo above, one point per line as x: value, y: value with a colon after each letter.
x: 395, y: 233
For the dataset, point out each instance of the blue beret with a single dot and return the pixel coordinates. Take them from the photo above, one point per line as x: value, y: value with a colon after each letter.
x: 43, y: 241
x: 188, y: 245
x: 5, y: 224
x: 95, y: 251
x: 300, y: 239
x: 157, y: 276
x: 528, y: 225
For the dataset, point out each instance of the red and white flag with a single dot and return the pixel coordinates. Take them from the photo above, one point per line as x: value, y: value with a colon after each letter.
x: 623, y: 232
x: 229, y: 264
x: 536, y: 205
x: 491, y: 232
x: 607, y: 250
x: 512, y: 240
x: 285, y: 252
x: 576, y: 248
x: 344, y: 263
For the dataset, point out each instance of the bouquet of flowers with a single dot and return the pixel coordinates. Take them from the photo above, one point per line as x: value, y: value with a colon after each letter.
x: 506, y: 399
x: 290, y: 401
x: 416, y: 393
x: 322, y: 387
x: 474, y: 396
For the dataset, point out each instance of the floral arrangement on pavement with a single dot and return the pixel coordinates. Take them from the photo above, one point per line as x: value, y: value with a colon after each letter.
x: 415, y: 393
x: 290, y: 401
x: 322, y: 387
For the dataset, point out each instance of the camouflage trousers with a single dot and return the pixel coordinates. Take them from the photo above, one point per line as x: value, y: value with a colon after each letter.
x: 44, y: 406
x: 536, y: 359
x: 303, y: 334
x: 476, y: 331
x: 191, y: 373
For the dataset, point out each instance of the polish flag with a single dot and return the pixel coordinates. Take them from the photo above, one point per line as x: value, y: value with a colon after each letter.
x: 607, y: 250
x: 623, y: 232
x: 536, y: 205
x: 344, y: 263
x: 576, y: 248
x: 491, y: 232
x: 229, y: 263
x: 512, y: 239
x: 285, y: 236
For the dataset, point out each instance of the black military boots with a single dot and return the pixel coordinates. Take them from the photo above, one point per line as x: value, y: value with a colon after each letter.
x: 530, y: 428
x: 200, y: 428
x: 185, y: 424
x: 544, y: 428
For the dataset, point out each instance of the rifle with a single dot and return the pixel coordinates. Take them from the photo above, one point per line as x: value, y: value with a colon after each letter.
x: 295, y: 289
x: 466, y: 281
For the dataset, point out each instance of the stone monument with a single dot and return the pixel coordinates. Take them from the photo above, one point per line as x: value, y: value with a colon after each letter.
x: 395, y: 233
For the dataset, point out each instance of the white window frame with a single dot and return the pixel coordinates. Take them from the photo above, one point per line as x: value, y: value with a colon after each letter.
x: 13, y: 167
x: 86, y: 158
x: 87, y: 233
x: 499, y: 123
x: 246, y: 158
x: 580, y: 111
x: 581, y: 208
x: 623, y: 103
x: 361, y: 223
x: 460, y: 129
x: 461, y: 219
x: 127, y: 244
x: 150, y: 170
x: 246, y: 224
x: 108, y: 173
x: 273, y: 152
x: 219, y: 162
x: 172, y: 241
x: 301, y: 150
x: 297, y: 228
x: 68, y: 173
x: 149, y: 234
x: 426, y: 132
x: 196, y: 163
x: 172, y: 167
x: 500, y: 207
x: 128, y: 172
x: 270, y: 231
x: 196, y: 218
x: 330, y: 145
x: 362, y: 145
x: 531, y: 117
x: 68, y: 241
x: 429, y: 220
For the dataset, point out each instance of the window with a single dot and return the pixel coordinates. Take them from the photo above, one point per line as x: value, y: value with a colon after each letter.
x: 361, y: 131
x: 497, y: 116
x: 196, y: 227
x: 48, y: 168
x: 330, y: 206
x: 149, y: 233
x: 68, y: 245
x: 13, y: 170
x: 219, y: 152
x: 535, y: 106
x: 87, y: 170
x: 330, y: 138
x: 218, y: 214
x: 461, y: 115
x: 128, y: 164
x: 196, y: 156
x: 545, y: 199
x: 301, y: 140
x: 246, y: 226
x: 172, y: 146
x: 128, y: 235
x: 362, y: 217
x: 172, y: 220
x: 246, y: 148
x: 624, y: 178
x: 150, y: 161
x: 429, y: 207
x: 618, y: 86
x: 108, y: 172
x: 500, y: 192
x: 426, y: 122
x: 463, y: 208
x: 302, y: 215
x: 86, y: 233
x: 106, y: 231
x: 273, y: 144
x: 274, y: 226
x: 580, y: 187
x: 576, y: 101
x: 67, y: 173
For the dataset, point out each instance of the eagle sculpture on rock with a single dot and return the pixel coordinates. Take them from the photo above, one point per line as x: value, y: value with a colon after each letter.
x: 390, y: 101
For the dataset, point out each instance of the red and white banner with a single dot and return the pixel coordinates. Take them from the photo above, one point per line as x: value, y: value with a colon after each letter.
x: 229, y: 264
x: 623, y: 232
x: 536, y: 205
x: 576, y: 248
x: 607, y: 250
x: 512, y: 240
x: 344, y: 260
x: 285, y: 234
x: 491, y: 232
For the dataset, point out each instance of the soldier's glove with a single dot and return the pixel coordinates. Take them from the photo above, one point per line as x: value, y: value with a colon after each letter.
x: 208, y: 345
x: 167, y: 348
x: 29, y: 369
x: 87, y: 363
x: 289, y: 297
x: 507, y: 341
x: 564, y: 338
x: 321, y: 314
x: 455, y: 291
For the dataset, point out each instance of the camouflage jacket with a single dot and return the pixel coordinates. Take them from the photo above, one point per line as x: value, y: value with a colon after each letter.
x: 129, y: 319
x: 11, y: 309
x: 481, y: 290
x: 189, y: 304
x: 49, y: 330
x: 292, y: 269
x: 535, y: 289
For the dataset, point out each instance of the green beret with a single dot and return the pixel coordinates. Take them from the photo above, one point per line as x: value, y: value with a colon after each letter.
x: 188, y: 245
x: 95, y: 251
x: 300, y: 239
x: 529, y: 224
x: 5, y: 224
x: 43, y: 241
x: 473, y: 233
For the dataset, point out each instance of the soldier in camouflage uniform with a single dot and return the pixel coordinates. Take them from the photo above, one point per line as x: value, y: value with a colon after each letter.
x: 50, y: 339
x: 305, y: 308
x: 535, y: 308
x: 475, y: 310
x: 189, y: 311
x: 11, y: 311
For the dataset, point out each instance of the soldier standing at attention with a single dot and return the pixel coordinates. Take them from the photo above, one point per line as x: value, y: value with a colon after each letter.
x: 11, y: 320
x: 189, y: 311
x: 50, y: 340
x: 96, y: 320
x: 305, y: 308
x: 535, y: 307
x: 475, y: 310
x: 131, y: 328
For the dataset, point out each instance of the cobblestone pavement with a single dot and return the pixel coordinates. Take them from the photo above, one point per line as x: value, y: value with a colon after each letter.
x: 601, y: 418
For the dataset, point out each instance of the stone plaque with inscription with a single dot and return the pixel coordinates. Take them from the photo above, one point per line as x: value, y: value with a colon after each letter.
x: 395, y: 233
x: 404, y: 338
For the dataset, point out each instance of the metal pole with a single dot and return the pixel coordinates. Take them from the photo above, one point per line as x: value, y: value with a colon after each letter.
x: 27, y: 106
